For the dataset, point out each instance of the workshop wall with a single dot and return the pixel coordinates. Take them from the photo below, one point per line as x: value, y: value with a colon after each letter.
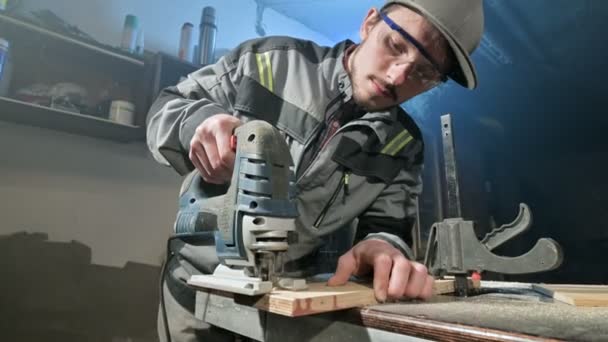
x: 84, y: 220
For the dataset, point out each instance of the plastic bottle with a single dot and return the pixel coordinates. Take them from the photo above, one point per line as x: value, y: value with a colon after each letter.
x: 5, y: 67
x: 129, y: 33
x: 185, y: 42
x: 208, y: 30
x: 4, y: 48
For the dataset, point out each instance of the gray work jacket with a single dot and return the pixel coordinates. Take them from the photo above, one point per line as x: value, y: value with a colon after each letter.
x: 365, y: 176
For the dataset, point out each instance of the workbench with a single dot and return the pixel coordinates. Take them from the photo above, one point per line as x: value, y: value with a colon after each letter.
x: 501, y: 312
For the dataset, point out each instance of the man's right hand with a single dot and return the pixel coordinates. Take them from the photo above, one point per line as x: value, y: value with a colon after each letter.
x: 210, y: 150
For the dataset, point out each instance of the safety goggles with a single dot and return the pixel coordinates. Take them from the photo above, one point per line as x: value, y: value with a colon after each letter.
x: 428, y: 72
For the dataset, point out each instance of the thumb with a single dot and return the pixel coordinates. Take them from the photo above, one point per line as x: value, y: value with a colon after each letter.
x: 347, y: 265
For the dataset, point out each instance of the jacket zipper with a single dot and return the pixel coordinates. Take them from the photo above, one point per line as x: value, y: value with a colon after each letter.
x: 343, y: 186
x: 322, y: 127
x: 346, y: 186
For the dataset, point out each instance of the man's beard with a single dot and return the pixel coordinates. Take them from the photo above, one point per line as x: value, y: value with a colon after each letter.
x: 354, y: 76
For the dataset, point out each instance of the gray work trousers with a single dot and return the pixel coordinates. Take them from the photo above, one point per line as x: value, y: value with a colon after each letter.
x: 179, y: 299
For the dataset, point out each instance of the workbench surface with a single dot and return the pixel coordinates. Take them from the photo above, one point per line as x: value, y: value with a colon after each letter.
x: 512, y: 314
x: 508, y: 314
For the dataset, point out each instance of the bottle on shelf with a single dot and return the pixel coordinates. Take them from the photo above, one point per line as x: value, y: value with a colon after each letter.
x: 185, y: 42
x: 208, y: 30
x: 129, y: 33
x: 5, y: 67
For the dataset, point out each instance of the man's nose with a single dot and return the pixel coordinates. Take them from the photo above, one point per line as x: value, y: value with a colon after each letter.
x: 399, y: 72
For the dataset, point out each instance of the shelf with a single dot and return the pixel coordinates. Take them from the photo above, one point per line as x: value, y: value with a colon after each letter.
x: 20, y: 112
x: 74, y: 42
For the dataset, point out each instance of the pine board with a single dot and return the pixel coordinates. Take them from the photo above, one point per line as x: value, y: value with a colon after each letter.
x: 577, y: 295
x: 320, y: 298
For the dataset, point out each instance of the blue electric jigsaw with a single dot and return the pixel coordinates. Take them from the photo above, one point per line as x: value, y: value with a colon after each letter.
x: 254, y: 221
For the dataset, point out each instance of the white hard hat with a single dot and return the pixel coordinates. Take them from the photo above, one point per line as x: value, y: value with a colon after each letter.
x: 461, y: 23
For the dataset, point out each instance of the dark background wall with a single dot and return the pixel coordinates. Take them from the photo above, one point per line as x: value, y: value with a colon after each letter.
x: 534, y: 131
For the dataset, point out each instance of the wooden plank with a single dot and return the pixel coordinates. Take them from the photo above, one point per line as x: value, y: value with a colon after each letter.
x: 577, y: 295
x: 445, y: 286
x: 320, y: 298
x: 316, y: 299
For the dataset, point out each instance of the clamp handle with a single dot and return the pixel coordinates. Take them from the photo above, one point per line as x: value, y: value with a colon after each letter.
x: 506, y: 232
x: 454, y: 249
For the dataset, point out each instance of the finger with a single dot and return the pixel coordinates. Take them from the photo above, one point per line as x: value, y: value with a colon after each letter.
x: 400, y: 275
x: 427, y: 291
x: 200, y: 162
x: 198, y: 157
x: 347, y: 265
x: 217, y: 170
x: 211, y: 151
x: 382, y: 270
x: 208, y: 178
x: 226, y: 154
x: 197, y: 163
x: 417, y: 281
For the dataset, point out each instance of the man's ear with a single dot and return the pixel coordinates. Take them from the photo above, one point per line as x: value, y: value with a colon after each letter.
x: 371, y: 19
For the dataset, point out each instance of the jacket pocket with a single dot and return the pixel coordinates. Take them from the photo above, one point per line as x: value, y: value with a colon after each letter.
x: 257, y: 101
x: 371, y: 159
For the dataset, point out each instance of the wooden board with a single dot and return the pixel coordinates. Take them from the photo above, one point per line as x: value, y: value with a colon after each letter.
x: 578, y: 295
x: 320, y: 298
x: 446, y: 285
x: 316, y: 299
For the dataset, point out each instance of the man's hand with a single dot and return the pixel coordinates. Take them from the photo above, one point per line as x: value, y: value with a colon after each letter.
x: 395, y: 276
x: 210, y: 148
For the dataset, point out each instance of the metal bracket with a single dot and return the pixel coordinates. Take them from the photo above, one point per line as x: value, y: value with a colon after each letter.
x: 231, y: 280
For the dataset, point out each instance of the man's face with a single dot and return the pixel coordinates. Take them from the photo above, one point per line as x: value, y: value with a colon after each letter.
x: 386, y: 69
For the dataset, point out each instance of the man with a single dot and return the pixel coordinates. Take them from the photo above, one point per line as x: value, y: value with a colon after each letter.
x: 358, y: 155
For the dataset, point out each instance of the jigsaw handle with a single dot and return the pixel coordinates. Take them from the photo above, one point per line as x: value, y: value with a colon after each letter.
x: 190, y: 218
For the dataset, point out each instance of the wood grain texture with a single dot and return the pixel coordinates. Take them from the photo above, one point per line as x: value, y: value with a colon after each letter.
x: 577, y: 295
x: 320, y: 298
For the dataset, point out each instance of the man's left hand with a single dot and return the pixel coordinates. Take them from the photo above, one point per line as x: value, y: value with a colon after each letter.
x: 395, y: 276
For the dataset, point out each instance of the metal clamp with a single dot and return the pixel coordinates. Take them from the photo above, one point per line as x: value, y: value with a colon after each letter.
x: 454, y: 249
